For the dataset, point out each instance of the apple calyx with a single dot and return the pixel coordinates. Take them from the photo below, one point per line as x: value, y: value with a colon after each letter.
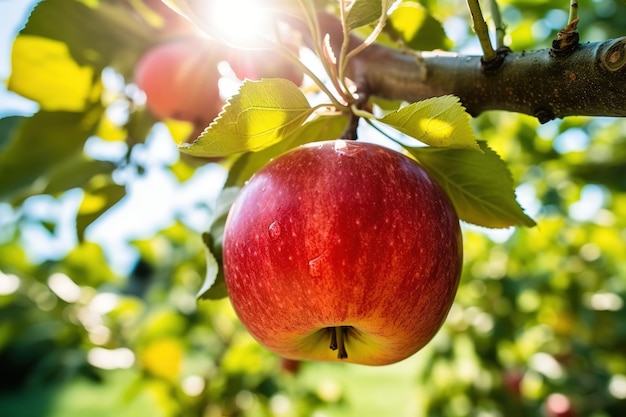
x: 338, y: 338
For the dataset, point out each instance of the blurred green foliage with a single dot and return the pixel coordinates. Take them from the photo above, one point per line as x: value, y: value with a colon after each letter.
x: 539, y: 321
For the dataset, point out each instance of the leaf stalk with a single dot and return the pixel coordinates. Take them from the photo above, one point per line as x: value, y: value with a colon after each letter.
x: 482, y: 31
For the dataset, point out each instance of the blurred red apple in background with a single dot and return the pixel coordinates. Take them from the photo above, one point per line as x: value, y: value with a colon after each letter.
x: 180, y: 79
x: 559, y: 405
x: 342, y: 251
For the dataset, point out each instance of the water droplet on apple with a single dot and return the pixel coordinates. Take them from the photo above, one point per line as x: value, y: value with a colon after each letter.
x: 340, y: 146
x: 274, y: 230
x: 344, y: 147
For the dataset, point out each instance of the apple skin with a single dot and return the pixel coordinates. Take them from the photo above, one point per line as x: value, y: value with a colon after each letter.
x: 180, y: 79
x: 345, y: 237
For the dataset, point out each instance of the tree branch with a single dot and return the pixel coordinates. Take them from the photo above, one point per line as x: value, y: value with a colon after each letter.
x: 590, y: 81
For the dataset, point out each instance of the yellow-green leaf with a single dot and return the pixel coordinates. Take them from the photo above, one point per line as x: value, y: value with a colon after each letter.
x: 479, y: 185
x: 415, y: 27
x: 163, y: 358
x: 320, y: 128
x: 363, y: 12
x: 87, y: 264
x: 44, y: 71
x: 101, y: 195
x: 440, y: 121
x: 263, y: 113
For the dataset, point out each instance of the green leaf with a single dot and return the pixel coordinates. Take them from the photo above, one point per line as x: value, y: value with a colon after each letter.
x: 75, y: 172
x: 87, y: 264
x: 44, y: 71
x: 262, y: 114
x: 58, y: 57
x: 411, y: 24
x: 363, y: 12
x: 214, y: 287
x: 97, y: 33
x: 7, y: 128
x: 100, y: 195
x: 440, y: 122
x: 478, y: 183
x: 320, y: 128
x: 38, y: 144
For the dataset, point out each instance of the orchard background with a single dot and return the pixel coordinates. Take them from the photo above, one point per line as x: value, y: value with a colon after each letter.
x: 101, y: 254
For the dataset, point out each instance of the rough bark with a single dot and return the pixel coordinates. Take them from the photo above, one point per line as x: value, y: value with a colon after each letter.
x: 590, y: 81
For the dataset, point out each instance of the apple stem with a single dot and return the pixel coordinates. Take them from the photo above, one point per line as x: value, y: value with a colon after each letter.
x: 333, y: 338
x: 337, y: 340
x: 342, y: 353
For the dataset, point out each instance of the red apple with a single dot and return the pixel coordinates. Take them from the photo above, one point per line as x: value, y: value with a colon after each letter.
x: 559, y: 405
x: 289, y: 366
x: 342, y: 251
x: 180, y: 80
x: 512, y: 381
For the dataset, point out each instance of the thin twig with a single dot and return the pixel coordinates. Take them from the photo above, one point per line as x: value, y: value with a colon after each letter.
x: 346, y: 54
x: 341, y: 59
x: 498, y: 23
x: 314, y: 28
x: 573, y: 12
x: 370, y: 39
x: 482, y: 32
x: 286, y: 52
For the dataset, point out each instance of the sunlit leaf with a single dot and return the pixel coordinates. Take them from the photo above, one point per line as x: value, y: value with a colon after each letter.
x: 180, y: 130
x: 439, y: 122
x: 260, y: 115
x: 415, y: 27
x: 99, y: 197
x: 163, y: 358
x: 320, y: 128
x: 93, y: 32
x: 44, y: 71
x: 111, y: 131
x: 182, y: 170
x: 14, y: 257
x: 86, y: 264
x: 478, y: 183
